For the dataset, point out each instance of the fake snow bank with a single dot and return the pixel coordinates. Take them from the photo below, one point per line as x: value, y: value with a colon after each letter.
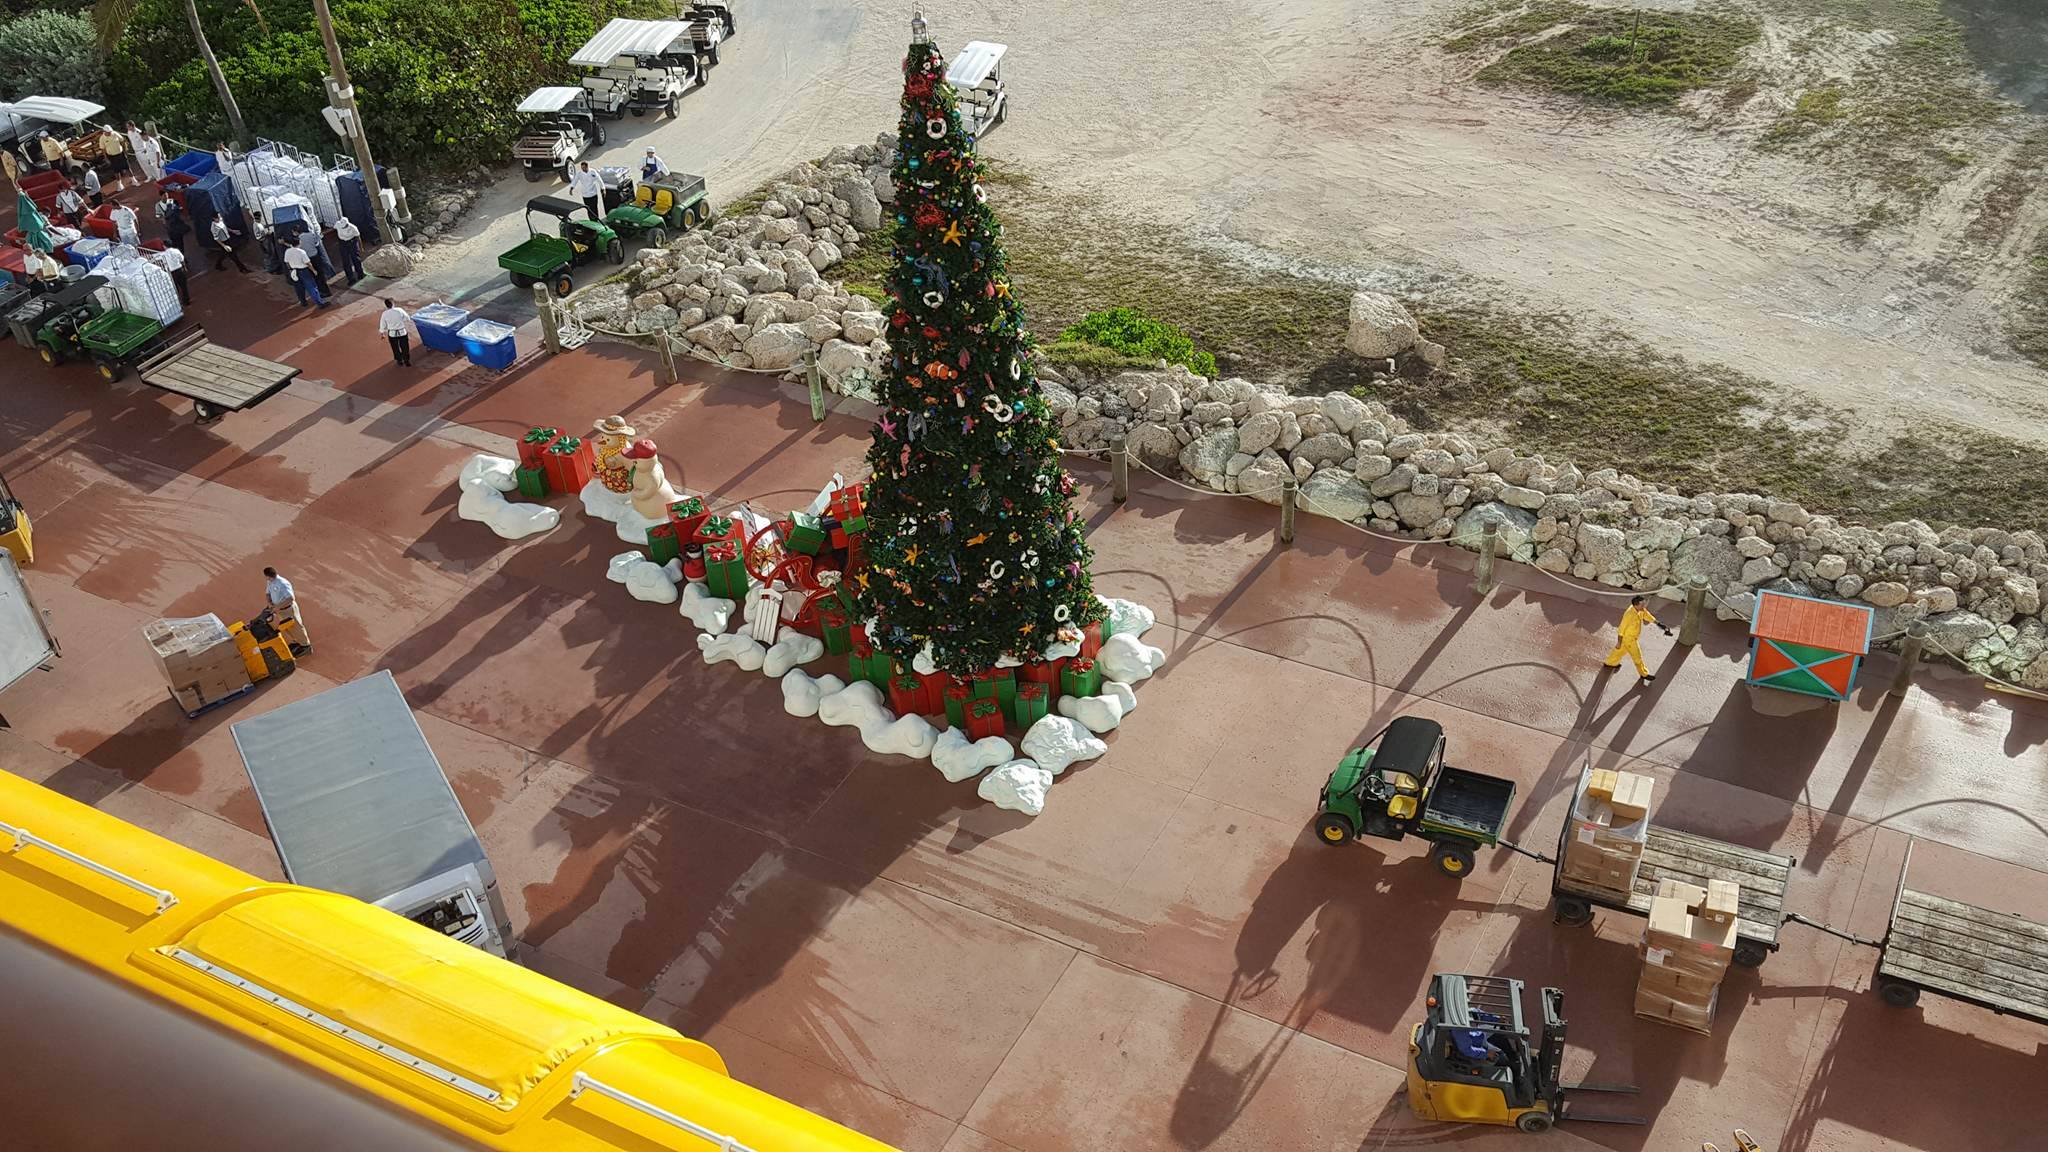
x: 484, y: 481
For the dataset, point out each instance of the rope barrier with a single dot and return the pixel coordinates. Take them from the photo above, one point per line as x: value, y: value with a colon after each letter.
x: 1944, y: 650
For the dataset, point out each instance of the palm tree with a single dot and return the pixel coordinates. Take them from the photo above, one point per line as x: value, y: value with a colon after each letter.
x: 110, y: 18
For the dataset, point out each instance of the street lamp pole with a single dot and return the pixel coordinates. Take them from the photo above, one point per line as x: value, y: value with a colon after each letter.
x: 344, y: 96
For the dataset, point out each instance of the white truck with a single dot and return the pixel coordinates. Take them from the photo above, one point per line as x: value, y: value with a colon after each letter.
x: 640, y: 66
x: 560, y: 128
x: 356, y: 803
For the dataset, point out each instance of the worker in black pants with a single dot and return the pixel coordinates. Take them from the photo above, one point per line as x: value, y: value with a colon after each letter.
x: 224, y: 245
x: 392, y: 323
x: 349, y: 239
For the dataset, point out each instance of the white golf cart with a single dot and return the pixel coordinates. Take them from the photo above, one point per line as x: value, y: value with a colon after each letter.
x: 641, y: 66
x: 977, y: 75
x: 561, y: 127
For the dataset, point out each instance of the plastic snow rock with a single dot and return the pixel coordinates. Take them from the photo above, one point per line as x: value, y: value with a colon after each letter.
x: 709, y: 613
x: 1056, y: 742
x: 484, y: 480
x: 1019, y: 786
x: 958, y: 759
x: 1127, y: 617
x: 737, y: 647
x: 1129, y: 659
x: 801, y: 693
x: 911, y: 736
x: 793, y: 649
x: 1096, y: 713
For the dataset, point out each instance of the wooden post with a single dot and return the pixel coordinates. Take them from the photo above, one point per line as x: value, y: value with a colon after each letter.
x: 667, y: 348
x: 816, y: 382
x: 1119, y: 470
x: 550, y: 320
x: 1909, y: 657
x: 1289, y: 493
x: 1695, y: 610
x: 1489, y: 542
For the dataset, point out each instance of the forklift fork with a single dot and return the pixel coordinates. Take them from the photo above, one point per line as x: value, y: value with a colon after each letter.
x: 1550, y: 1067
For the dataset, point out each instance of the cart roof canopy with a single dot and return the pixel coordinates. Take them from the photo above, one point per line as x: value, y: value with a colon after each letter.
x: 974, y: 63
x: 1409, y: 741
x: 55, y: 109
x: 628, y: 38
x: 549, y: 99
x: 353, y: 795
x: 554, y: 206
x: 77, y: 291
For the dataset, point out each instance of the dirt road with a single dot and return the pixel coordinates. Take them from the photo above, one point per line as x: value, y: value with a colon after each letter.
x: 1328, y: 132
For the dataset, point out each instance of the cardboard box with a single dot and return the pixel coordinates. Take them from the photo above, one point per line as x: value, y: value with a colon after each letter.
x: 1617, y: 880
x: 1631, y: 797
x: 1663, y: 1009
x: 1723, y: 902
x: 1600, y: 784
x: 1678, y: 940
x: 1690, y: 895
x: 1684, y: 987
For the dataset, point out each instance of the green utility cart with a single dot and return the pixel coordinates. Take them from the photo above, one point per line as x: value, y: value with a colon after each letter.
x: 549, y: 259
x: 115, y: 338
x: 1397, y: 785
x: 67, y: 310
x: 666, y: 204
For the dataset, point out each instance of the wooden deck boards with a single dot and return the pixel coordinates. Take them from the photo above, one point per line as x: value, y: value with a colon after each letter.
x: 1972, y: 953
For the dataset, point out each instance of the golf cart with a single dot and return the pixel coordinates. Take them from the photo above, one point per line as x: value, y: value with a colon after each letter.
x: 1397, y: 785
x: 544, y: 258
x: 563, y: 127
x: 665, y: 204
x: 640, y: 65
x: 721, y: 13
x: 977, y: 75
x: 1472, y: 1060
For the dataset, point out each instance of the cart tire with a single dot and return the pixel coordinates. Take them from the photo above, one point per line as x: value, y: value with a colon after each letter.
x: 1533, y: 1122
x: 562, y: 283
x: 657, y: 236
x: 110, y: 371
x: 1453, y: 858
x: 1898, y: 993
x: 639, y: 112
x: 532, y: 174
x: 1572, y: 912
x: 616, y: 251
x: 1002, y: 113
x: 598, y: 126
x: 1750, y: 954
x: 714, y: 55
x: 50, y: 355
x: 1333, y: 829
x: 522, y: 280
x: 675, y: 105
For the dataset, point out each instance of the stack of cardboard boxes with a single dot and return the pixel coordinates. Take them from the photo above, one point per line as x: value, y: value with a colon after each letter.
x: 1610, y: 823
x: 198, y: 658
x: 1686, y: 952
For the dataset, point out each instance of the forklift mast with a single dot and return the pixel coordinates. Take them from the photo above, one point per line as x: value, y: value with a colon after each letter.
x: 1550, y: 1052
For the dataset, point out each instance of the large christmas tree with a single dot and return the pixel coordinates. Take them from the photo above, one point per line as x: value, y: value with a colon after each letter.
x: 972, y: 547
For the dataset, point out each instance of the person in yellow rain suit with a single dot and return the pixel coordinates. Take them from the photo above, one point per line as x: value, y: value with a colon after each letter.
x: 1630, y: 639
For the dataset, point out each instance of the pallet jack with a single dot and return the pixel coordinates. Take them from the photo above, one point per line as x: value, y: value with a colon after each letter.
x: 266, y: 650
x: 1470, y: 1061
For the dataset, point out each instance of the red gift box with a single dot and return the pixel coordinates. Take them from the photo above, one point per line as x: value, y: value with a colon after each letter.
x: 567, y: 464
x: 933, y: 685
x: 721, y: 550
x: 534, y: 443
x: 688, y: 515
x: 906, y: 695
x: 1091, y: 640
x: 984, y: 718
x: 848, y: 502
x: 859, y: 634
x: 1041, y: 671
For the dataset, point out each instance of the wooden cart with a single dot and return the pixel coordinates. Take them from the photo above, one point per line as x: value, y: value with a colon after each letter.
x: 1690, y: 859
x: 217, y: 380
x: 1995, y: 960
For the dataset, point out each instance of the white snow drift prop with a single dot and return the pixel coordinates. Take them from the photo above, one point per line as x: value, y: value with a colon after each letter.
x: 643, y: 578
x: 1018, y: 786
x: 1127, y: 617
x: 911, y: 736
x: 958, y: 759
x: 858, y: 705
x: 1097, y: 713
x: 793, y: 649
x: 1123, y: 693
x: 484, y: 481
x: 739, y: 648
x: 709, y: 613
x: 801, y: 693
x: 602, y: 503
x: 1056, y: 742
x: 1129, y: 659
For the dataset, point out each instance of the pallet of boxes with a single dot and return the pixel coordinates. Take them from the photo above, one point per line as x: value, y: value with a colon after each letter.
x: 1687, y: 948
x: 200, y: 662
x: 1610, y: 824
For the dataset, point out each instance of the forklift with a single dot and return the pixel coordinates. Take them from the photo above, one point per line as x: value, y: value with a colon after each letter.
x: 14, y: 530
x: 1470, y: 1060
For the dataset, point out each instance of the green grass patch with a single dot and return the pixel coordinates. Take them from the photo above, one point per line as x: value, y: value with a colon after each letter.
x: 1131, y: 333
x: 863, y: 269
x: 1608, y: 55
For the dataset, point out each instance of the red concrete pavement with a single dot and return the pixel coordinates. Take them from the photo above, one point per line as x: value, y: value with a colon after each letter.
x: 1163, y: 960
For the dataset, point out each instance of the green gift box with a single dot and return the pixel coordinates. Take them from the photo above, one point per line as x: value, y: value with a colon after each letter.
x: 716, y: 528
x: 870, y: 664
x: 533, y: 482
x: 806, y: 534
x: 663, y: 545
x: 854, y: 525
x: 1081, y: 678
x: 958, y: 695
x: 999, y: 685
x: 1030, y: 706
x: 725, y: 574
x: 835, y: 630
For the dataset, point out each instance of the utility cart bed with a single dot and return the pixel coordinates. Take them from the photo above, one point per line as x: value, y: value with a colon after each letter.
x: 1682, y: 856
x: 1996, y: 960
x: 1469, y: 802
x: 217, y: 378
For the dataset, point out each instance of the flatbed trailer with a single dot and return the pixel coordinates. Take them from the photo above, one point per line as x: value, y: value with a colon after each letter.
x: 1994, y: 960
x: 1690, y: 859
x: 217, y: 380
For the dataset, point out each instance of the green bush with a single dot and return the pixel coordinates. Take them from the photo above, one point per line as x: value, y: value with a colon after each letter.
x: 50, y: 54
x: 1132, y: 333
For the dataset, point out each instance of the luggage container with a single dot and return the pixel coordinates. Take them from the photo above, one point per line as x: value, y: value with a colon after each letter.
x: 438, y: 325
x: 488, y: 344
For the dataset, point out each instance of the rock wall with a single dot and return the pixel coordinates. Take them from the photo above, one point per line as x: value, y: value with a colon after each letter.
x: 751, y: 290
x: 1978, y: 590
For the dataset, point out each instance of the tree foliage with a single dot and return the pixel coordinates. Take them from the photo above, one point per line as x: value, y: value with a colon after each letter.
x: 50, y: 53
x: 972, y: 545
x: 436, y: 79
x: 1132, y: 333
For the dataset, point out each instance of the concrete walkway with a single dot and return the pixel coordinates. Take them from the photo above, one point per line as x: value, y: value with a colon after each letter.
x: 1164, y: 959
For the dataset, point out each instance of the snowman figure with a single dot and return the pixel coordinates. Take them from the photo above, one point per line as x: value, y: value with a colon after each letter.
x: 652, y: 493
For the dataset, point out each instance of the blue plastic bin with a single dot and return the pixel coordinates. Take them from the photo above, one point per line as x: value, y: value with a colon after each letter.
x: 437, y: 325
x: 195, y: 164
x: 88, y: 252
x: 284, y: 215
x: 488, y: 344
x: 219, y: 193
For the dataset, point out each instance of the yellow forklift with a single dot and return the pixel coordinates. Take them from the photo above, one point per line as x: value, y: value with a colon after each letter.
x: 266, y: 648
x: 1471, y: 1060
x: 14, y: 532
